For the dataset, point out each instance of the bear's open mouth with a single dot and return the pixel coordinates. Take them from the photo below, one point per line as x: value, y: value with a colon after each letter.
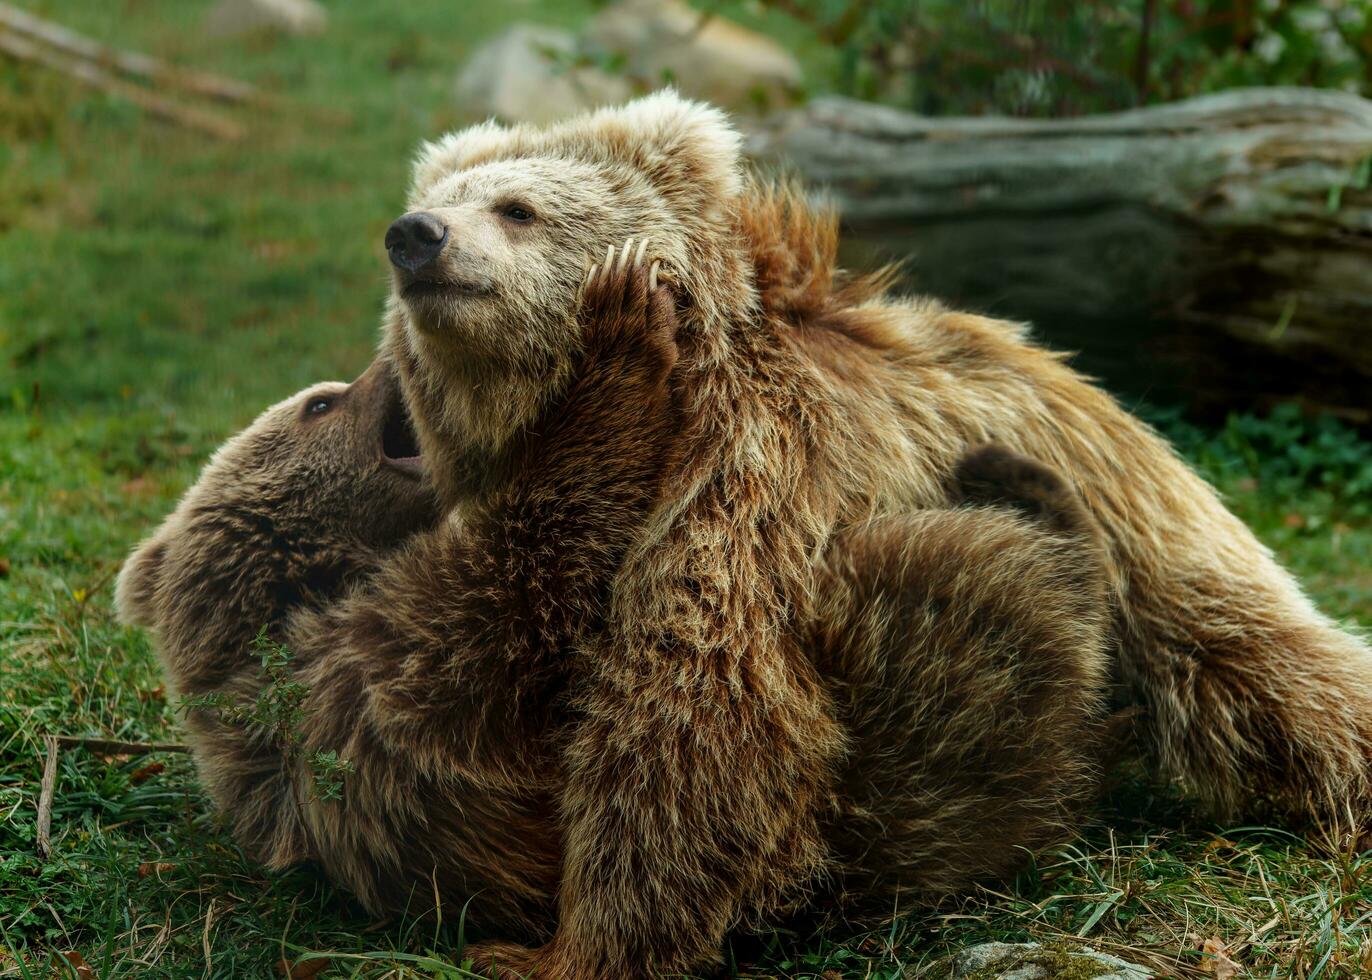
x: 399, y: 445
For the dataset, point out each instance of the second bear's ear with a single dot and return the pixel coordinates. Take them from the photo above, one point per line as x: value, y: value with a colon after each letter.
x: 135, y: 593
x: 459, y: 150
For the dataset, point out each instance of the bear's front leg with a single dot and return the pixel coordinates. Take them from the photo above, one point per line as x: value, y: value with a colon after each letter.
x: 460, y: 643
x: 701, y: 752
x: 442, y: 678
x: 693, y: 790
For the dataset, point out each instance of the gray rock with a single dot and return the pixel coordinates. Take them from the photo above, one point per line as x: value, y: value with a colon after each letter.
x: 705, y: 57
x: 530, y: 73
x: 1030, y: 961
x: 228, y: 18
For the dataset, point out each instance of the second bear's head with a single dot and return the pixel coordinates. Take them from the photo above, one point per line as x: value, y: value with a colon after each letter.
x: 501, y: 227
x: 308, y: 496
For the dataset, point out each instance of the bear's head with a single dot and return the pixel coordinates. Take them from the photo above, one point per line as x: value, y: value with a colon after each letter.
x: 503, y: 224
x: 288, y: 510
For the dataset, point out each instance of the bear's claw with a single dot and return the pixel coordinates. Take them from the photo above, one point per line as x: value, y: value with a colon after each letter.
x: 619, y: 263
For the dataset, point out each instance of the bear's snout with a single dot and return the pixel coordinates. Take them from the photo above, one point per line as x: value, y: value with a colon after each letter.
x: 414, y: 240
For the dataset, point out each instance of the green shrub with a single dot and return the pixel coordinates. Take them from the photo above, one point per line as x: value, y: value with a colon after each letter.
x: 1284, y: 455
x: 1061, y: 57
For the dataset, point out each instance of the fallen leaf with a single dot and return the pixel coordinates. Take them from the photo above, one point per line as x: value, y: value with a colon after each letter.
x: 78, y: 964
x: 157, y: 694
x: 139, y: 486
x: 4, y: 567
x: 1217, y: 960
x: 273, y: 250
x: 143, y: 773
x: 303, y: 970
x: 154, y: 868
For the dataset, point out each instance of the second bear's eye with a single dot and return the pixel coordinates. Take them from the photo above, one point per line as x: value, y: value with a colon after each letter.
x: 318, y: 406
x: 517, y: 212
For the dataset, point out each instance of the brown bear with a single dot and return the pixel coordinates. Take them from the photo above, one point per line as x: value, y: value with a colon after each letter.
x: 695, y: 775
x: 286, y: 515
x: 309, y: 500
x: 966, y: 654
x: 959, y: 652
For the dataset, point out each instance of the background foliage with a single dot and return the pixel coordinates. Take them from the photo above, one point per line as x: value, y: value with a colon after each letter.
x: 1064, y: 57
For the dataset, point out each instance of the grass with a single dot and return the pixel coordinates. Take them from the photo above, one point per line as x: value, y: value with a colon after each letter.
x: 157, y: 288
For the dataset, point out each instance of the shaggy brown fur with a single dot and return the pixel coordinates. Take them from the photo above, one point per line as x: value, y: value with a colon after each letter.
x: 967, y: 652
x: 962, y: 655
x: 285, y: 516
x: 704, y: 743
x: 1250, y: 695
x: 437, y: 678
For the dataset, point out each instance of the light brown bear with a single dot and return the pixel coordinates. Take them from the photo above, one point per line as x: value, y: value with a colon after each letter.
x: 694, y: 778
x: 959, y: 654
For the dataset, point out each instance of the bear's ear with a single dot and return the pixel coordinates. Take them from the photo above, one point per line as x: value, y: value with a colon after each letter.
x: 456, y: 151
x: 687, y: 149
x: 135, y: 593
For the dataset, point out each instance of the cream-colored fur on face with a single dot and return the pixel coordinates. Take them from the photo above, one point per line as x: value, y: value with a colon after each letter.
x: 661, y: 168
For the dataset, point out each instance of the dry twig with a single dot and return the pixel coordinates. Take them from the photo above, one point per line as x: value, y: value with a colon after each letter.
x: 114, y: 747
x: 45, y: 793
x: 43, y: 844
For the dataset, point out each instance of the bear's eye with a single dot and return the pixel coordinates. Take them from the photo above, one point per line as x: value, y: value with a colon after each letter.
x: 517, y: 212
x: 319, y: 405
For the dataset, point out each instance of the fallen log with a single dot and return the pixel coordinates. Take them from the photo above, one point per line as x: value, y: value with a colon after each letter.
x: 133, y: 63
x: 91, y: 74
x: 1229, y: 235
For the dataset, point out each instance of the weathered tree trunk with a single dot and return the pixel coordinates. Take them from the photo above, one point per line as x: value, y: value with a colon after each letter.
x: 1229, y: 236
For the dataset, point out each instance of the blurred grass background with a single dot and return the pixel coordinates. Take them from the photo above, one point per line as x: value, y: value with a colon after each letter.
x: 158, y: 288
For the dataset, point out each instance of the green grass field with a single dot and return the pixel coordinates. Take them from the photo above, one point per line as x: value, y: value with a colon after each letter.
x: 157, y: 288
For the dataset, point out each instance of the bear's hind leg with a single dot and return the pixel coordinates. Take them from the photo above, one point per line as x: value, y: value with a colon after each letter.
x: 1254, y: 697
x: 968, y: 653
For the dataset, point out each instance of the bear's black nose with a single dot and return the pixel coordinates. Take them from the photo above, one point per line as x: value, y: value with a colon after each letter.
x: 414, y: 240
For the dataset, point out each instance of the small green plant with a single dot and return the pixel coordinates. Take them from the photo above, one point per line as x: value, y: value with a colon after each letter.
x: 329, y: 769
x: 278, y: 711
x: 1283, y: 456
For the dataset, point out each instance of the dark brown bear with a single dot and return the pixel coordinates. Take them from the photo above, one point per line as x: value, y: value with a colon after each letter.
x: 447, y: 705
x: 287, y: 514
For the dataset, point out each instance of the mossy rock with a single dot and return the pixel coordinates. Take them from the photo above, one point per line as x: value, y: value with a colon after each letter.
x: 1030, y: 961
